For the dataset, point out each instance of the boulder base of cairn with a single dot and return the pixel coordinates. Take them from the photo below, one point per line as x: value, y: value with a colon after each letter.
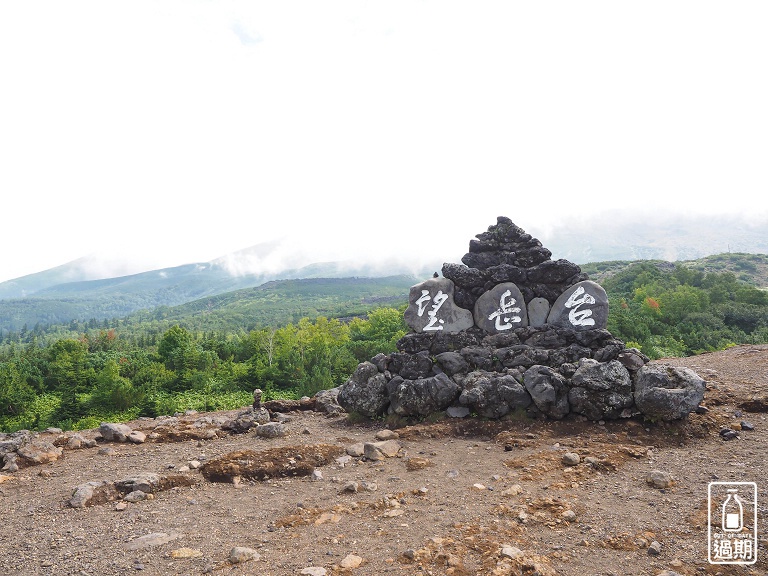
x: 508, y: 330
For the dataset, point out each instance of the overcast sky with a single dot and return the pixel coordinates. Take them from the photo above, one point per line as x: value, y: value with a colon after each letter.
x: 166, y: 132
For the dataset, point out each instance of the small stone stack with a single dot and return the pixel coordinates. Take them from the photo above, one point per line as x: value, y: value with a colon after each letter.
x: 511, y: 330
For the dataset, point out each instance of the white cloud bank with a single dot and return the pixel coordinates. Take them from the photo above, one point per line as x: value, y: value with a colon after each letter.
x: 174, y: 132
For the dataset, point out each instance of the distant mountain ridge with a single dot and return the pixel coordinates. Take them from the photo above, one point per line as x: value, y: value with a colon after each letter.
x: 76, y: 291
x: 117, y: 297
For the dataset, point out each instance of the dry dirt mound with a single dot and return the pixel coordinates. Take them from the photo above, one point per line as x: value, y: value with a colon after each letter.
x: 457, y: 497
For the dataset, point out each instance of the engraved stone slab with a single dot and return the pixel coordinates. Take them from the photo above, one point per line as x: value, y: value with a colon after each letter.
x: 431, y: 308
x: 584, y: 306
x: 501, y: 309
x: 538, y: 310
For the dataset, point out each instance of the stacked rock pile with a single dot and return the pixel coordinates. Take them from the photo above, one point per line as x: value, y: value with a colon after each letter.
x: 512, y: 330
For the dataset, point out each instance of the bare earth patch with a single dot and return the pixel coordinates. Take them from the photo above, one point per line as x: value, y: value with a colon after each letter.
x: 461, y: 497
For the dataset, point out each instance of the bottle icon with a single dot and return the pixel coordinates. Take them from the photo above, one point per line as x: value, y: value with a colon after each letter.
x: 733, y: 512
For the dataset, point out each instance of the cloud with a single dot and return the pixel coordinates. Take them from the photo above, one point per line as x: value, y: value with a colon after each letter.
x: 246, y: 36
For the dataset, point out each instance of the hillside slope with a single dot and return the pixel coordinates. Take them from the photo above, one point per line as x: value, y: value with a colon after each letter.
x: 749, y: 268
x: 160, y: 289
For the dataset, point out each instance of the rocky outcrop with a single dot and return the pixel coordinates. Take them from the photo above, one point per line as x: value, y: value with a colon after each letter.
x: 507, y: 330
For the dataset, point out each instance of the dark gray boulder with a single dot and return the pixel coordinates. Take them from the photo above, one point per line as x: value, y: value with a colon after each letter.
x: 381, y: 361
x: 327, y: 401
x: 411, y: 366
x: 522, y: 355
x: 549, y: 390
x: 465, y: 276
x: 632, y: 359
x: 506, y: 273
x: 423, y: 396
x: 478, y: 357
x: 493, y: 395
x: 552, y: 272
x: 600, y: 390
x: 549, y: 337
x: 241, y: 423
x: 455, y: 342
x: 365, y: 392
x: 432, y: 308
x: 666, y: 392
x: 451, y: 363
x: 500, y: 309
x: 412, y: 343
x: 584, y: 306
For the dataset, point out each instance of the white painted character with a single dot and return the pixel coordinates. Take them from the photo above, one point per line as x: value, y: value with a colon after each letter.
x: 422, y: 301
x: 505, y: 311
x: 434, y: 323
x: 576, y: 316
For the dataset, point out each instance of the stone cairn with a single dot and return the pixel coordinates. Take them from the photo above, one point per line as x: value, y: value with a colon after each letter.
x: 511, y: 330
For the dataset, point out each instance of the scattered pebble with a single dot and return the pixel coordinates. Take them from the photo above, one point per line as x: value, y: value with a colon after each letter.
x: 180, y: 553
x: 387, y: 435
x: 659, y: 479
x: 150, y: 540
x: 137, y: 437
x: 571, y: 459
x: 511, y: 552
x: 513, y: 490
x: 344, y: 460
x: 417, y: 463
x: 351, y: 561
x: 240, y: 554
x: 351, y: 487
x: 313, y: 571
x: 135, y: 496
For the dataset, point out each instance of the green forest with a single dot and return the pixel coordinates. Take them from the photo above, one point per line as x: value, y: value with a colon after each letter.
x: 679, y: 311
x: 76, y: 383
x: 291, y: 342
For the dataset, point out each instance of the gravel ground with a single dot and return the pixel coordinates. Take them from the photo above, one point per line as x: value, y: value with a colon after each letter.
x: 461, y: 497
